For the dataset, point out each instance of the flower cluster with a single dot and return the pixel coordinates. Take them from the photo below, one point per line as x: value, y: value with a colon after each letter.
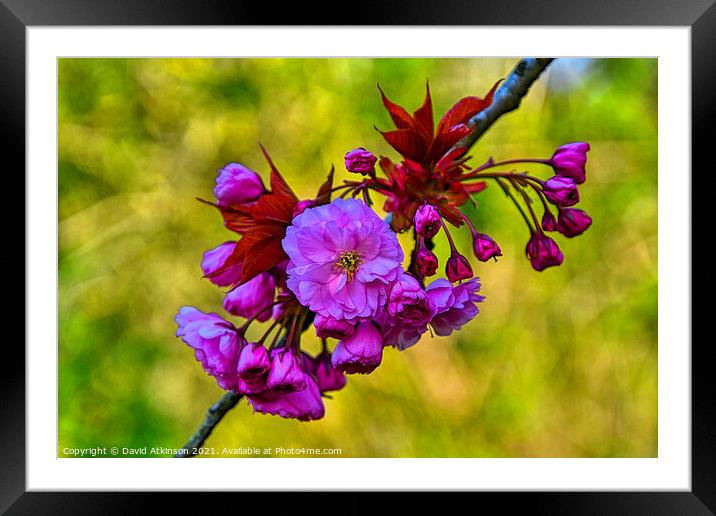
x: 335, y: 265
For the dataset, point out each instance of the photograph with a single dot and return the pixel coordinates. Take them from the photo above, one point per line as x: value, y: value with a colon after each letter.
x: 357, y: 257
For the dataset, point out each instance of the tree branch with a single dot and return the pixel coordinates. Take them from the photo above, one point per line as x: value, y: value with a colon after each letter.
x: 507, y: 97
x: 215, y: 413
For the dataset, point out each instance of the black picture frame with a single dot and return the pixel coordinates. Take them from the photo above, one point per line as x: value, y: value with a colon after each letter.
x: 17, y: 15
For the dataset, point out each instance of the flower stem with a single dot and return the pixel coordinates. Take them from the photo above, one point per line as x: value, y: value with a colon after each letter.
x: 509, y: 193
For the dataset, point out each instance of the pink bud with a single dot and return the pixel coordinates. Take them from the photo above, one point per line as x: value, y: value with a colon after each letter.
x: 427, y: 262
x: 458, y: 268
x: 549, y: 223
x: 329, y: 328
x: 569, y: 161
x: 543, y: 252
x: 302, y: 206
x: 485, y: 247
x: 561, y: 191
x: 237, y: 184
x: 360, y: 161
x: 427, y: 221
x: 573, y: 222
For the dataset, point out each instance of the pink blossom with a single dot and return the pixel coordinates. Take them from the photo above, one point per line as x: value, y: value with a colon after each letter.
x: 455, y: 305
x: 330, y: 328
x: 286, y: 374
x: 543, y: 252
x: 304, y: 405
x: 252, y: 368
x: 573, y: 222
x: 237, y: 184
x: 253, y: 298
x: 216, y: 343
x: 485, y: 247
x: 427, y: 221
x: 361, y: 353
x: 360, y: 160
x: 569, y: 161
x: 427, y: 261
x: 343, y: 259
x: 457, y: 267
x: 214, y: 260
x: 561, y: 191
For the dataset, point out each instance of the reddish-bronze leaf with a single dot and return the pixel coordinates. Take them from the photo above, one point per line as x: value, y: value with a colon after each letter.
x: 401, y: 118
x: 407, y: 142
x: 279, y: 186
x: 324, y: 192
x: 262, y: 256
x: 464, y: 109
x: 423, y: 116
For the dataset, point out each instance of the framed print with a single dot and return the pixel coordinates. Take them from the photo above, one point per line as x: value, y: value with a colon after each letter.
x: 438, y: 250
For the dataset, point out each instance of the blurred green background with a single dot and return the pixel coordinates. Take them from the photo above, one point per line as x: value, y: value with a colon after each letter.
x: 558, y: 364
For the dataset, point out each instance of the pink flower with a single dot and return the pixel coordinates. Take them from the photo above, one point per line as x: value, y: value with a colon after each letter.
x: 360, y: 353
x: 427, y: 221
x: 455, y: 305
x: 485, y: 247
x: 330, y: 328
x: 304, y: 405
x: 328, y: 377
x: 561, y: 191
x: 252, y: 368
x: 457, y: 267
x: 343, y: 259
x: 253, y: 298
x: 236, y: 184
x: 286, y: 374
x: 427, y: 261
x: 216, y: 343
x: 407, y: 314
x: 543, y: 252
x: 569, y: 161
x: 573, y: 222
x: 360, y: 160
x: 408, y: 304
x: 214, y: 260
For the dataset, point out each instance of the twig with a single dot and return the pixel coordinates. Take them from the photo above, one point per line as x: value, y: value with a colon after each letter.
x: 215, y: 413
x: 507, y: 97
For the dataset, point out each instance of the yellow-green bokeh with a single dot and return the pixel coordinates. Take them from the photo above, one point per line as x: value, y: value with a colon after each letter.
x: 558, y: 364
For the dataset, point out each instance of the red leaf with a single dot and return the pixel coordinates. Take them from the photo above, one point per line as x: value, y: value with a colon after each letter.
x: 464, y: 109
x: 324, y: 192
x: 447, y: 139
x: 423, y: 116
x: 401, y: 118
x: 262, y: 255
x: 279, y: 185
x: 475, y: 187
x: 407, y: 142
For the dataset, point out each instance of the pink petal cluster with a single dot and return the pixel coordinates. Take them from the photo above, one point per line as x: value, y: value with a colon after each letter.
x: 343, y: 259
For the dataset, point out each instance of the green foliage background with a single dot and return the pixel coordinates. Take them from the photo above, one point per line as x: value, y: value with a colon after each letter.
x: 558, y: 364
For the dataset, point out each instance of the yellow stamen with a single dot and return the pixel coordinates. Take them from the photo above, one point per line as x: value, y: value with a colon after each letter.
x: 349, y: 262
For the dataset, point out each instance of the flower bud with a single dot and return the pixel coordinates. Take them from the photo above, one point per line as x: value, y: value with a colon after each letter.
x: 458, y: 268
x: 569, y: 160
x: 329, y: 328
x: 427, y: 221
x: 427, y: 262
x: 360, y: 353
x: 286, y: 374
x: 360, y: 161
x: 549, y: 223
x: 214, y: 260
x: 485, y: 247
x: 573, y: 222
x: 561, y: 191
x: 543, y: 252
x: 302, y: 206
x: 237, y: 184
x: 253, y: 298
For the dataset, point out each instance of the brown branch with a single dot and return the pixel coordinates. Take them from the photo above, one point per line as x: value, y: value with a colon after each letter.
x: 507, y: 97
x: 215, y: 413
